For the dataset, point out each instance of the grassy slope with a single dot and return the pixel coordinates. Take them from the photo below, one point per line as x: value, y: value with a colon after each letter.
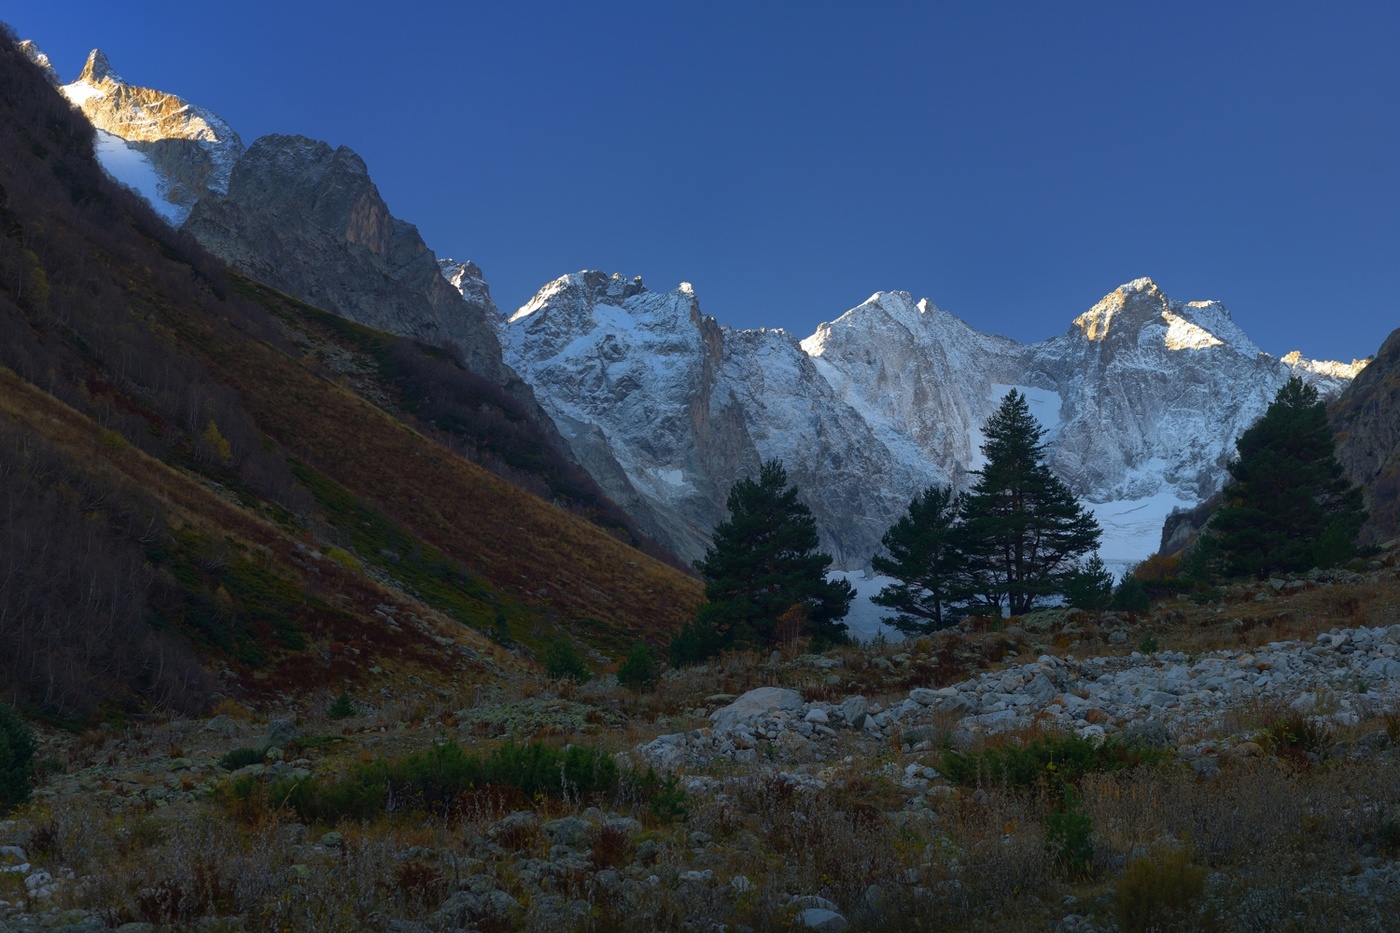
x: 516, y: 541
x: 334, y: 606
x: 150, y: 365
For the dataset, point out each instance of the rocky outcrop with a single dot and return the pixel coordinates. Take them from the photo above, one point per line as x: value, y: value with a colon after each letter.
x: 35, y: 55
x: 192, y: 150
x: 1366, y: 418
x: 1154, y: 393
x: 1160, y: 698
x: 635, y: 388
x: 306, y: 219
x: 1142, y: 400
x: 683, y: 407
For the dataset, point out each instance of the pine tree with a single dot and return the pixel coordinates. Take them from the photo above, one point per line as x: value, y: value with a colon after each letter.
x: 924, y: 559
x: 1089, y: 585
x: 1022, y: 531
x: 1289, y: 506
x: 765, y: 580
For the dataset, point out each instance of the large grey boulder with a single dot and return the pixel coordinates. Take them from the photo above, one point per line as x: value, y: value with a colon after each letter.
x: 854, y: 710
x: 280, y: 733
x: 755, y: 705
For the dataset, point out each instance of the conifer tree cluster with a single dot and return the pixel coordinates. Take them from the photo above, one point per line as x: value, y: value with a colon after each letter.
x: 1015, y: 539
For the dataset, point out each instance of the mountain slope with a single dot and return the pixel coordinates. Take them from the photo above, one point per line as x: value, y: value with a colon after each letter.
x: 1366, y: 417
x: 307, y: 219
x: 252, y: 518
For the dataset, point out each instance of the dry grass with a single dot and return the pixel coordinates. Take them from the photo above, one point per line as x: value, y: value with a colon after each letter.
x: 497, y: 529
x: 1277, y: 841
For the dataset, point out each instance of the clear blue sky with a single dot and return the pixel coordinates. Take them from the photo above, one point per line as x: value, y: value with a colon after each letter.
x: 1012, y: 161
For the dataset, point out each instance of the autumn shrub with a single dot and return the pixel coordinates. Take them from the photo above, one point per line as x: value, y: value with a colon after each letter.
x: 610, y: 846
x: 562, y: 662
x: 1294, y: 737
x: 1159, y: 892
x: 240, y: 758
x: 1055, y: 759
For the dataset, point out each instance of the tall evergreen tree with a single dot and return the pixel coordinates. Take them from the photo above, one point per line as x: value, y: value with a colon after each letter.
x: 1022, y: 531
x: 765, y: 580
x: 923, y: 557
x: 1288, y: 506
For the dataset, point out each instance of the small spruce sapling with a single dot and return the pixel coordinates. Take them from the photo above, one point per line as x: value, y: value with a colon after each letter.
x: 17, y: 746
x: 562, y: 662
x: 640, y: 670
x: 1067, y: 838
x: 1090, y: 585
x: 342, y: 707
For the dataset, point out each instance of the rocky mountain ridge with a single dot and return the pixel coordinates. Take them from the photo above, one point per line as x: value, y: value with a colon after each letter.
x: 191, y: 150
x: 1142, y: 396
x: 307, y: 219
x: 290, y: 211
x: 1142, y: 399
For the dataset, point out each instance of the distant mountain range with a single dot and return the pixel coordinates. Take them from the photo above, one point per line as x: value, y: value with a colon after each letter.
x: 1142, y: 397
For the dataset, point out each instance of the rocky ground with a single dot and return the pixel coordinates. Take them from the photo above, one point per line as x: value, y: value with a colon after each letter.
x: 809, y: 789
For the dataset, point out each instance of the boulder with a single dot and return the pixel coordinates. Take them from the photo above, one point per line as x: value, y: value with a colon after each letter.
x: 822, y: 920
x: 755, y: 705
x: 854, y: 710
x: 280, y: 733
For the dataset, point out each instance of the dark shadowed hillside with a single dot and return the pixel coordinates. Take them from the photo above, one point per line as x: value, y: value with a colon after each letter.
x: 1366, y: 418
x: 193, y: 493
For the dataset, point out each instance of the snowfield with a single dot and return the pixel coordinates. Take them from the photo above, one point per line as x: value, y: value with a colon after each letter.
x: 134, y: 169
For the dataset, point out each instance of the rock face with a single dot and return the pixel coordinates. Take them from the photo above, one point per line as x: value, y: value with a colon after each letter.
x: 192, y: 150
x: 666, y: 408
x: 307, y: 219
x: 1154, y: 393
x: 292, y: 212
x: 33, y: 53
x: 1142, y: 400
x: 1366, y: 417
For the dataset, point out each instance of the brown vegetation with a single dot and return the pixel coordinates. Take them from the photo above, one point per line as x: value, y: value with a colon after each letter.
x: 164, y: 395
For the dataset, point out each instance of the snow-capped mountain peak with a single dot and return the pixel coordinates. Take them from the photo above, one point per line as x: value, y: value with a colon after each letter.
x: 1142, y: 400
x: 468, y: 279
x: 1331, y: 375
x: 168, y: 149
x: 1139, y: 314
x: 97, y: 70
